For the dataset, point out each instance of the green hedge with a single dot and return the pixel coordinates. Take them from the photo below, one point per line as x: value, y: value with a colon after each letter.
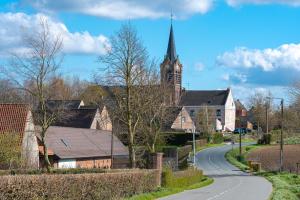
x: 180, y: 179
x: 59, y: 171
x: 217, y: 138
x: 78, y: 186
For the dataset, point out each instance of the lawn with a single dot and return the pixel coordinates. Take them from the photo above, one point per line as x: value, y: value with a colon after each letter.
x: 166, y: 191
x: 285, y: 185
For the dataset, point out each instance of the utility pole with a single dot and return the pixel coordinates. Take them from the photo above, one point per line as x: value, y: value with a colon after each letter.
x: 240, y: 157
x: 267, y: 117
x: 194, y: 145
x: 281, y: 132
x: 281, y: 138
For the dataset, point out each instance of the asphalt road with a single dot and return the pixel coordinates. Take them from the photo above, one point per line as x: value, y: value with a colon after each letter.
x: 229, y: 182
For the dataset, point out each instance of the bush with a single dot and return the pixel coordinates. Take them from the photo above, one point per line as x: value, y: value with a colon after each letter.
x: 266, y: 139
x: 217, y: 138
x: 10, y: 151
x: 180, y: 179
x: 178, y: 138
x: 78, y: 186
x: 59, y: 171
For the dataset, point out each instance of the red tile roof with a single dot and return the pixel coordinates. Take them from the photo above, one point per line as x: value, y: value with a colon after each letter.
x: 13, y: 117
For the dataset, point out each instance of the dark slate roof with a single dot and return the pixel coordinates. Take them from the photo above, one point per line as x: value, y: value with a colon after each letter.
x: 77, y: 118
x: 239, y: 105
x: 171, y: 51
x: 203, y: 97
x: 63, y: 104
x: 170, y: 116
x: 68, y: 142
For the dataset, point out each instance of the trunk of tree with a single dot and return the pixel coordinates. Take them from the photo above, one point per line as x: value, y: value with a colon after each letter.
x: 46, y: 157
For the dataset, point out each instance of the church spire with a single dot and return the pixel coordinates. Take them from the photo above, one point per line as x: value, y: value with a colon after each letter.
x: 171, y: 52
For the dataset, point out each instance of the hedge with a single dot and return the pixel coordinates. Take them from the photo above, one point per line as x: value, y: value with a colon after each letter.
x: 60, y: 171
x: 78, y: 186
x: 181, y: 178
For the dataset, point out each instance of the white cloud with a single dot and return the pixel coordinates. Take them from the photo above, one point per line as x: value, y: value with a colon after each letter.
x: 13, y: 25
x: 285, y: 2
x: 199, y: 66
x: 285, y: 56
x: 125, y: 9
x: 225, y: 77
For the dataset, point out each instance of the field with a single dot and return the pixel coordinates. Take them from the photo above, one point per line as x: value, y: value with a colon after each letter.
x: 269, y: 157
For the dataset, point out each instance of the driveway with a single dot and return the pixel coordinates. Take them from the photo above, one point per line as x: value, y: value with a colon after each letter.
x: 229, y: 182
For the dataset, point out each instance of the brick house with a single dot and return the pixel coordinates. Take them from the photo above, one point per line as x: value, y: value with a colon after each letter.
x: 17, y: 118
x: 242, y: 117
x: 82, y: 148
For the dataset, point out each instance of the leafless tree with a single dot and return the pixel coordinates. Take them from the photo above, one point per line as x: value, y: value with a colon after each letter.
x: 126, y: 64
x: 32, y: 72
x: 8, y: 93
x: 153, y: 111
x: 206, y: 120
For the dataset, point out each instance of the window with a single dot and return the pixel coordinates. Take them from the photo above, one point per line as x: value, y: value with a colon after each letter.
x: 192, y: 113
x: 182, y: 119
x: 218, y: 112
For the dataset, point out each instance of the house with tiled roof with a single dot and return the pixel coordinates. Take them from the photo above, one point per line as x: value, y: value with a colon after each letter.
x: 243, y: 119
x: 17, y: 118
x: 83, y: 148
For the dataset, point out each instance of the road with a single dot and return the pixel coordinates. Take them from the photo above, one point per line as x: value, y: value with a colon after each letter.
x: 229, y: 182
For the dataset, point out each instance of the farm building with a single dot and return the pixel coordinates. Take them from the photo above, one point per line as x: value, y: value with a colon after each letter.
x: 17, y: 118
x: 82, y: 148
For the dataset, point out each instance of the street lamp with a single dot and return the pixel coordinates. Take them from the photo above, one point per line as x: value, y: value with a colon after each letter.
x: 281, y: 132
x: 194, y: 145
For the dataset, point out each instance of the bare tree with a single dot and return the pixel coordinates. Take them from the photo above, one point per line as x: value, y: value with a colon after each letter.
x: 153, y: 110
x: 260, y: 108
x: 206, y: 120
x: 125, y: 62
x: 32, y: 72
x: 8, y: 93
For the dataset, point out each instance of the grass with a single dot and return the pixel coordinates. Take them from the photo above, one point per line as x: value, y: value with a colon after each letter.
x: 232, y: 156
x: 285, y: 185
x: 162, y: 192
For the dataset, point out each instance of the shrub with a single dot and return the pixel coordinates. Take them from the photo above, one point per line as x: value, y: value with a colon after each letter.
x: 10, y: 150
x: 217, y: 138
x: 266, y: 139
x: 180, y: 179
x: 78, y: 186
x: 178, y: 138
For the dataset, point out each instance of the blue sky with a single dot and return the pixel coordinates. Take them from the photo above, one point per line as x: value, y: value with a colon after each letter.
x: 248, y: 45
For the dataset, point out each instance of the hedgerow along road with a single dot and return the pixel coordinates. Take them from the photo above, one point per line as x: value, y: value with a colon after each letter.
x: 229, y: 182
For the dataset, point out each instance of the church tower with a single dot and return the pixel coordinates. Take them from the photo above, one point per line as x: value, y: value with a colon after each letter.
x: 171, y: 72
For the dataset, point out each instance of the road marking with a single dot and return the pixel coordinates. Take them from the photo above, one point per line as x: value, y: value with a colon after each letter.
x: 226, y: 191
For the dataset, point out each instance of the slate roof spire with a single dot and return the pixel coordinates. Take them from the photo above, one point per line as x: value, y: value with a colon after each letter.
x: 171, y: 52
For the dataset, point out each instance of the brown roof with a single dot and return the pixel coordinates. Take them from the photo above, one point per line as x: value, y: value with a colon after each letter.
x: 82, y: 143
x: 13, y: 117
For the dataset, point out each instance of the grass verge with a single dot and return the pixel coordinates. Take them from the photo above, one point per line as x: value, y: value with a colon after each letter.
x: 163, y: 191
x: 285, y: 185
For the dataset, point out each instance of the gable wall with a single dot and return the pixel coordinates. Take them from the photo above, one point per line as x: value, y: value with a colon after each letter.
x: 30, y: 150
x: 230, y: 112
x: 187, y: 125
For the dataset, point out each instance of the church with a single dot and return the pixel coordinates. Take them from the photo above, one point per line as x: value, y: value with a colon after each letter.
x: 190, y: 102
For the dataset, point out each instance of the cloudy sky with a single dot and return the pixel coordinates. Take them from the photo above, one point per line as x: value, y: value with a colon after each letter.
x: 248, y: 45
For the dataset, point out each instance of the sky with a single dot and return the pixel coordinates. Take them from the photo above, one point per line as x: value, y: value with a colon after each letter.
x: 247, y: 45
